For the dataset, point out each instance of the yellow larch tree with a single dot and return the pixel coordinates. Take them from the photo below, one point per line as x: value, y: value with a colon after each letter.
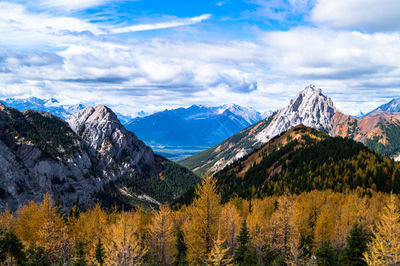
x: 27, y: 223
x: 257, y: 222
x: 229, y: 223
x: 281, y: 229
x: 220, y: 253
x: 6, y: 220
x: 53, y: 234
x: 89, y: 228
x: 201, y: 227
x: 384, y: 249
x: 122, y: 244
x: 161, y: 236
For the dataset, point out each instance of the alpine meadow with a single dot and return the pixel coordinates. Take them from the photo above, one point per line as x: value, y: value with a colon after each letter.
x: 210, y: 133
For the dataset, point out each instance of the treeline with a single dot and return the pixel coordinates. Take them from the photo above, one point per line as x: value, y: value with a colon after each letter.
x: 336, y: 163
x: 312, y: 228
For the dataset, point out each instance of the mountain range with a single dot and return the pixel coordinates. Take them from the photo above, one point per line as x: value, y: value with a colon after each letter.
x: 90, y: 157
x: 378, y: 131
x: 52, y: 105
x: 179, y: 132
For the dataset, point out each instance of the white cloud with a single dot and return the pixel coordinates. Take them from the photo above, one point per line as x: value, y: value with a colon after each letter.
x: 70, y: 5
x: 369, y: 15
x: 162, y: 25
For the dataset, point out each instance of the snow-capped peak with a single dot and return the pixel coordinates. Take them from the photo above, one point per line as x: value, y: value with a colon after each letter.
x: 310, y: 108
x: 247, y: 113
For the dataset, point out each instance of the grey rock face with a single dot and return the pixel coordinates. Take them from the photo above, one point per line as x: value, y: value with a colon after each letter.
x: 27, y: 171
x: 310, y: 108
x: 116, y: 150
x: 40, y: 153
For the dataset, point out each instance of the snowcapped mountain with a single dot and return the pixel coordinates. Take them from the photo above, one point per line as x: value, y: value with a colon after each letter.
x: 391, y: 107
x: 183, y: 131
x: 247, y: 113
x: 310, y: 108
x: 51, y: 105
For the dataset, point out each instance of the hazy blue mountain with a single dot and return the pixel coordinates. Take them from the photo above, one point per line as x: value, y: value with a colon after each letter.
x: 183, y: 131
x: 52, y: 105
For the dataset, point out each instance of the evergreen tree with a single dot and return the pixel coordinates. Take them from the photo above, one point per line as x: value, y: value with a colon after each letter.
x: 36, y: 257
x: 326, y: 255
x: 243, y: 244
x: 180, y: 257
x: 11, y: 248
x: 100, y: 252
x: 356, y: 245
x: 80, y: 255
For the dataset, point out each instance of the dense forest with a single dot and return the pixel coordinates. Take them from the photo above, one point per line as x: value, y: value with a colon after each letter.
x: 304, y: 159
x: 312, y: 228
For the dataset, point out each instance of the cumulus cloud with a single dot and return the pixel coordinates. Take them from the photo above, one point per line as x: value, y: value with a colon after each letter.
x: 368, y: 15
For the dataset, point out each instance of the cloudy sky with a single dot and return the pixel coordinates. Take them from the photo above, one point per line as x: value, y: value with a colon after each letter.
x: 155, y: 54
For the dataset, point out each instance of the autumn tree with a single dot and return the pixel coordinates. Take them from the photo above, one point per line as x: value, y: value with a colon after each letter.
x: 53, y: 234
x: 89, y: 227
x: 161, y: 236
x: 219, y: 255
x: 282, y: 231
x: 201, y: 228
x: 122, y: 242
x: 229, y: 223
x: 384, y: 249
x: 257, y: 221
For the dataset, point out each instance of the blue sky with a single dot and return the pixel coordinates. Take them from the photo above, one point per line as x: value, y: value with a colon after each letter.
x: 150, y: 55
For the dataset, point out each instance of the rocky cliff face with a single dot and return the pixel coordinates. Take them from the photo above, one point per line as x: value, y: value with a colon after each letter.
x: 33, y: 161
x: 117, y: 151
x: 92, y: 157
x: 310, y: 108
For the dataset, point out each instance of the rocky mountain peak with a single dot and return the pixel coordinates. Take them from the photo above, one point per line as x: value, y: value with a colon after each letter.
x: 111, y: 144
x: 310, y: 108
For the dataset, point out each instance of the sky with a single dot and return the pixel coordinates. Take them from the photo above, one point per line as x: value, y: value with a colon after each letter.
x: 151, y: 55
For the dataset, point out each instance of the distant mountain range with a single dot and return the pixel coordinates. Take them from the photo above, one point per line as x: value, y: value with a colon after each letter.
x: 87, y: 158
x: 192, y: 129
x: 52, y: 105
x: 379, y: 131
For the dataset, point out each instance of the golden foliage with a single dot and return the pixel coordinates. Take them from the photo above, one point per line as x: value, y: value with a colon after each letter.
x: 161, y: 234
x: 122, y: 243
x: 201, y: 227
x: 384, y: 248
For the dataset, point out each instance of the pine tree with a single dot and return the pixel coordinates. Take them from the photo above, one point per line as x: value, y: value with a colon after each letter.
x: 326, y: 255
x: 11, y: 249
x: 80, y: 255
x: 356, y: 245
x: 384, y: 249
x: 243, y: 244
x: 100, y: 253
x: 180, y: 257
x: 36, y: 256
